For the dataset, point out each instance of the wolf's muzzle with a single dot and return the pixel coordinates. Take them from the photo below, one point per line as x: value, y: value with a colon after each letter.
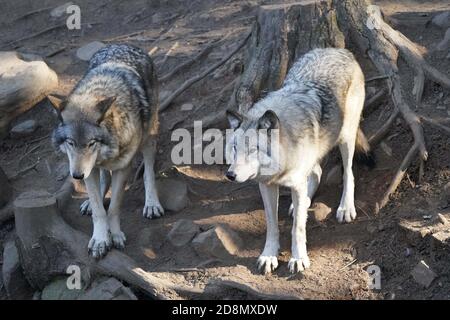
x: 78, y: 176
x: 231, y: 175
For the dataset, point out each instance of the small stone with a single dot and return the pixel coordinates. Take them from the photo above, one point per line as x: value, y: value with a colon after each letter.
x: 5, y: 189
x: 442, y: 20
x: 60, y: 10
x: 442, y: 219
x: 187, y: 107
x: 15, y: 284
x: 445, y: 43
x: 422, y: 274
x: 86, y: 52
x: 173, y: 194
x: 220, y: 242
x: 334, y: 176
x: 58, y: 290
x: 23, y: 129
x: 183, y: 231
x: 320, y: 211
x: 109, y: 289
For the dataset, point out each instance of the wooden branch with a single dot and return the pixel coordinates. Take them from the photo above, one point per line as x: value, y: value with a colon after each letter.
x: 227, y: 283
x: 202, y: 54
x: 190, y: 82
x: 398, y: 176
x: 376, y: 138
x: 436, y: 124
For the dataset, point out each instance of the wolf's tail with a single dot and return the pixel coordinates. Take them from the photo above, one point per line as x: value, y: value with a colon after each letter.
x: 363, y: 154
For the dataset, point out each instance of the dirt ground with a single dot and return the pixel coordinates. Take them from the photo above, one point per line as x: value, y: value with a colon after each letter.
x: 340, y: 254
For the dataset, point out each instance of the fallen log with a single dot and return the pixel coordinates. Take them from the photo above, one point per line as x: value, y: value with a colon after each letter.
x: 48, y: 246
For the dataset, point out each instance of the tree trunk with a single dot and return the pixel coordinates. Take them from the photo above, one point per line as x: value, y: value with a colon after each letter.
x: 284, y: 32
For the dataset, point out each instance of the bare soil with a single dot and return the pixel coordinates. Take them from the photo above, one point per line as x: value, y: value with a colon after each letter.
x: 340, y: 254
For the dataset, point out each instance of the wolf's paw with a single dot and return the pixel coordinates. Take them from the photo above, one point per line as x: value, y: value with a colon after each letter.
x: 346, y: 213
x: 85, y: 208
x: 153, y: 210
x: 267, y: 264
x: 298, y: 265
x: 118, y: 240
x: 291, y: 210
x: 99, y: 246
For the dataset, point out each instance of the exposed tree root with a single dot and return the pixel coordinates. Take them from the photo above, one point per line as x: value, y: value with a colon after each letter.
x: 383, y: 44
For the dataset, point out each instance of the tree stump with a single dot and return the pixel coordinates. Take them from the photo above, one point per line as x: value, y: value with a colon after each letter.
x: 281, y: 34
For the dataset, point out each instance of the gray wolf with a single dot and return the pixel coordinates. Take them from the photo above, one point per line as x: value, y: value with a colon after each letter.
x: 317, y: 108
x: 110, y: 115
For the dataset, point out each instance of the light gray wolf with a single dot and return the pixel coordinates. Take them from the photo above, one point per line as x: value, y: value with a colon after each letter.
x: 110, y: 115
x: 317, y: 108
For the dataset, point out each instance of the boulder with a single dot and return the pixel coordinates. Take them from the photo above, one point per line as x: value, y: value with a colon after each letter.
x: 320, y: 211
x: 182, y: 232
x: 15, y: 284
x: 86, y: 52
x: 220, y: 242
x: 24, y: 81
x: 173, y: 194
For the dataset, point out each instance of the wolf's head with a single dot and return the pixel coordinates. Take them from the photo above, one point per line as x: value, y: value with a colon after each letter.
x: 252, y: 147
x: 81, y: 135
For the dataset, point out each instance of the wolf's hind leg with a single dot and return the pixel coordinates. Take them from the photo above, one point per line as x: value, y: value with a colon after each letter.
x: 119, y: 179
x: 152, y: 208
x: 267, y: 261
x: 105, y: 183
x: 313, y: 183
x: 346, y: 210
x: 100, y: 241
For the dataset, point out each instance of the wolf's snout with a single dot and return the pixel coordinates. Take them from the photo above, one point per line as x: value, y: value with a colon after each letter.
x: 231, y: 175
x: 78, y: 176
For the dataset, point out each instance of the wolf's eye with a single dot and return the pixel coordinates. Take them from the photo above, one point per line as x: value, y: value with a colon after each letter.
x: 92, y: 143
x: 70, y: 143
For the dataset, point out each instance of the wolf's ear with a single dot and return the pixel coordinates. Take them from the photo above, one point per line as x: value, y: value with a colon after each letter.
x: 103, y: 105
x: 58, y: 103
x: 234, y: 118
x: 269, y: 121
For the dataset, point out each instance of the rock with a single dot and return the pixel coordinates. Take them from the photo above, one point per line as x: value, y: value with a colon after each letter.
x: 220, y: 242
x: 442, y: 20
x: 5, y: 189
x: 164, y: 94
x: 320, y: 211
x: 173, y: 194
x: 58, y: 290
x: 109, y: 289
x: 86, y: 52
x: 445, y: 43
x: 182, y: 232
x: 423, y: 275
x: 187, y: 107
x: 23, y: 129
x: 24, y: 81
x: 334, y: 176
x: 60, y: 10
x: 14, y: 281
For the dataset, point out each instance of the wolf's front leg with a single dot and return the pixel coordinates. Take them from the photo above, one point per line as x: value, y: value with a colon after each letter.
x: 301, y: 201
x: 105, y: 183
x: 268, y: 261
x: 101, y: 240
x: 313, y: 184
x: 119, y: 179
x: 152, y: 208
